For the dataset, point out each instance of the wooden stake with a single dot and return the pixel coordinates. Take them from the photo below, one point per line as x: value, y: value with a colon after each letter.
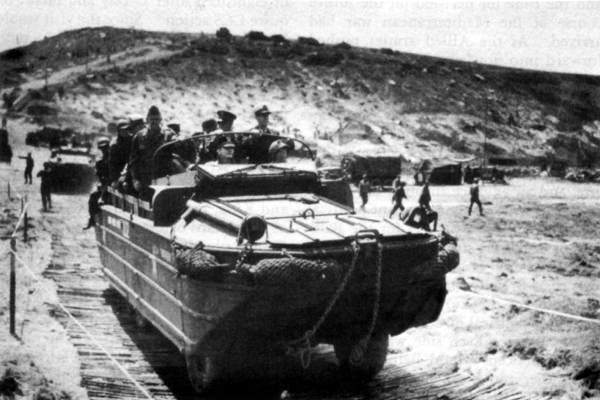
x: 13, y: 285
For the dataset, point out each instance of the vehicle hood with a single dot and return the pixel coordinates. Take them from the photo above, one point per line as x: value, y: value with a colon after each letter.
x: 292, y: 220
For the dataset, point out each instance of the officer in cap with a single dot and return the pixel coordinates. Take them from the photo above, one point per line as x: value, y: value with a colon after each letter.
x: 225, y: 151
x: 261, y: 113
x: 136, y: 123
x: 175, y: 127
x: 119, y: 150
x: 278, y: 151
x: 102, y: 165
x: 208, y: 126
x: 225, y: 121
x: 258, y: 145
x: 145, y: 144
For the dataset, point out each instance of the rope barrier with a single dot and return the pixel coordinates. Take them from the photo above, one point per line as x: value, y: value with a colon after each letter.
x: 96, y: 342
x: 544, y: 310
x: 21, y: 218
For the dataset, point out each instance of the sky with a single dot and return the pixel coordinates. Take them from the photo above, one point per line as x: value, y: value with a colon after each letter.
x: 542, y: 35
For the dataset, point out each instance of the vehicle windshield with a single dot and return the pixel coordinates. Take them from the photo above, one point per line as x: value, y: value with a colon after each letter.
x: 224, y: 153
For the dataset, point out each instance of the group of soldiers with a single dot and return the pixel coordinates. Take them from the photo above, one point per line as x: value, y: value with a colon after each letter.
x: 131, y: 161
x: 424, y: 201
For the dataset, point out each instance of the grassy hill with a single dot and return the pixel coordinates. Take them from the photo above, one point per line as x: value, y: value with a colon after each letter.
x: 374, y: 101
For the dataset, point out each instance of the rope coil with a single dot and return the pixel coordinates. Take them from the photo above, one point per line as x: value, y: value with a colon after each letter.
x: 358, y: 352
x: 302, y: 345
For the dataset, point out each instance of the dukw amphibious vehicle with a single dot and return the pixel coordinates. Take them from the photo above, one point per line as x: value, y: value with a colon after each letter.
x: 241, y: 264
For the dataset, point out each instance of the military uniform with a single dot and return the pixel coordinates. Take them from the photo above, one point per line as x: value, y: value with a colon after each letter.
x: 28, y: 167
x: 120, y: 150
x: 46, y: 186
x: 425, y: 198
x: 399, y: 194
x: 257, y: 146
x: 225, y: 122
x: 103, y: 174
x: 474, y: 191
x: 141, y: 164
x: 363, y: 190
x: 103, y: 169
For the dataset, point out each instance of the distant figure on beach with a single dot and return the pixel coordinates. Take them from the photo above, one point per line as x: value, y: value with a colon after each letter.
x: 397, y: 197
x: 425, y: 197
x: 364, y: 186
x: 28, y: 167
x: 474, y: 191
x: 46, y: 186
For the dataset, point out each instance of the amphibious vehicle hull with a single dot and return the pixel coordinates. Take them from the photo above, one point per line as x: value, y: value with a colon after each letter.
x: 245, y: 266
x: 226, y: 314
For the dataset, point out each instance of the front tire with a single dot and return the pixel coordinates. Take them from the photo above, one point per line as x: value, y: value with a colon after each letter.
x: 372, y: 361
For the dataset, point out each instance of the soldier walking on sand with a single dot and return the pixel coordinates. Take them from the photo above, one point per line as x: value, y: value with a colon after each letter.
x: 397, y: 181
x: 425, y: 197
x: 28, y: 167
x: 364, y: 186
x: 474, y: 191
x: 46, y: 186
x: 399, y: 194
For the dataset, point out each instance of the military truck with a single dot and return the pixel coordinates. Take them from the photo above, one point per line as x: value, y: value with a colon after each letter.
x: 73, y: 169
x: 381, y: 170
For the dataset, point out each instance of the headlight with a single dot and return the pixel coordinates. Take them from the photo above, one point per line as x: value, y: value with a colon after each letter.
x: 252, y: 229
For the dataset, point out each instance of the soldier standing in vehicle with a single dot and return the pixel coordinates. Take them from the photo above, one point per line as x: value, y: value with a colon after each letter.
x: 28, y: 167
x: 119, y: 151
x: 144, y: 145
x: 103, y: 174
x: 399, y: 194
x: 225, y: 121
x: 364, y: 186
x: 257, y: 146
x: 474, y: 191
x: 208, y: 126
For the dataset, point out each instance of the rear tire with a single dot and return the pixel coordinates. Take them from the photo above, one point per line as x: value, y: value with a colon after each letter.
x: 373, y: 358
x: 202, y: 371
x: 141, y: 321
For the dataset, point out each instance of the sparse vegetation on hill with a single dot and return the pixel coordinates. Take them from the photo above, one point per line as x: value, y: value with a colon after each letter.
x: 422, y: 107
